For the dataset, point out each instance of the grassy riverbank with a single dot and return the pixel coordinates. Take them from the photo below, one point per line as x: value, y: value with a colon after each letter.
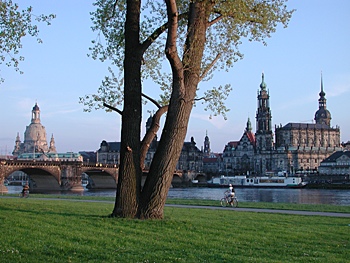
x: 38, y: 230
x: 203, y: 202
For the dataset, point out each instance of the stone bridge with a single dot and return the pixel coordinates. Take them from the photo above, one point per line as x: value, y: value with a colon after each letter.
x: 67, y: 175
x: 56, y: 175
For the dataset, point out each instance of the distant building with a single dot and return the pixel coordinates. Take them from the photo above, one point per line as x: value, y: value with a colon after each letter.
x: 336, y: 164
x: 34, y: 137
x: 213, y: 164
x: 298, y: 146
x: 89, y: 156
x: 346, y: 146
x: 35, y: 147
x: 52, y: 157
x: 191, y: 158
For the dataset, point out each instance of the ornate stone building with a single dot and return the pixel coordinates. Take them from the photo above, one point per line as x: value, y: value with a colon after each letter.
x: 34, y: 137
x: 336, y: 164
x: 191, y: 158
x: 298, y: 146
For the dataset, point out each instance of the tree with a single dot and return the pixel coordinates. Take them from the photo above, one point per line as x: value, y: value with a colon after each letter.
x: 14, y: 25
x: 209, y: 33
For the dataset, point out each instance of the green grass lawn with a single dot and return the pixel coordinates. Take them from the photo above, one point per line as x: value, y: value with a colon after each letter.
x: 34, y: 230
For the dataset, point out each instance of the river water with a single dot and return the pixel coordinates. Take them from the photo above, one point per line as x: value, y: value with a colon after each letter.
x: 275, y: 195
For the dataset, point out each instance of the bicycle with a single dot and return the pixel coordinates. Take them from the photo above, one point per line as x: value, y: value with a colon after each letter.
x: 24, y: 194
x: 229, y: 201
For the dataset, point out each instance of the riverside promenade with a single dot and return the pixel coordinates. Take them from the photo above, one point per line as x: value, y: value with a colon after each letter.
x: 259, y: 210
x: 237, y: 209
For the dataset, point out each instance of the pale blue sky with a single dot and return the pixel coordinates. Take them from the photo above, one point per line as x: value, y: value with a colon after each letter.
x: 58, y: 72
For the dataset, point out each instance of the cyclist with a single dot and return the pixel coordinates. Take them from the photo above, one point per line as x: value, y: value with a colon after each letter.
x: 25, y: 189
x: 230, y: 193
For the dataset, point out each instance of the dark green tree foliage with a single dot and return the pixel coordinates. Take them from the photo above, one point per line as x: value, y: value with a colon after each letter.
x: 197, y: 38
x: 16, y: 23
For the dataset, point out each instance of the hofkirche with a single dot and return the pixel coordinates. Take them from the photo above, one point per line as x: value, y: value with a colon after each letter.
x: 297, y: 146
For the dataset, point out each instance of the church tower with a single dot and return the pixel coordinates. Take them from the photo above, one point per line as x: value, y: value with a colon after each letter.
x: 322, y: 115
x: 206, y: 151
x: 148, y: 126
x: 263, y: 135
x: 52, y: 148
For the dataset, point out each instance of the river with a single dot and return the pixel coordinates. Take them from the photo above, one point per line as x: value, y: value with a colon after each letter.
x: 275, y: 195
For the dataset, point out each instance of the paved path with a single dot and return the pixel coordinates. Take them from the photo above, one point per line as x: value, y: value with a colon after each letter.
x: 258, y: 210
x: 237, y: 209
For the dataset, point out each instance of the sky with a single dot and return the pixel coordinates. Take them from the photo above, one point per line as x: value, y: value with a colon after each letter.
x: 58, y: 72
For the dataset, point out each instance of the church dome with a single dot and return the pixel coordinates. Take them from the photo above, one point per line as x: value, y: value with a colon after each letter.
x: 34, y: 137
x: 322, y: 114
x: 35, y: 133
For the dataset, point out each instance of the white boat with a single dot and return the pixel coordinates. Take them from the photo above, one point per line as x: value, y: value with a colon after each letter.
x: 257, y: 181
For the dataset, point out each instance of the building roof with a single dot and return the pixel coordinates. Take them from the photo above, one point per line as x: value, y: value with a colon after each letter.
x: 334, y: 157
x: 233, y: 144
x: 251, y: 137
x: 210, y: 160
x: 304, y: 126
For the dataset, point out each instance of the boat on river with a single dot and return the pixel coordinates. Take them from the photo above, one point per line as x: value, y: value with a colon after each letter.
x: 257, y: 181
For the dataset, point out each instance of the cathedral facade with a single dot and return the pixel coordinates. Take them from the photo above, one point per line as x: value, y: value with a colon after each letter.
x: 298, y: 147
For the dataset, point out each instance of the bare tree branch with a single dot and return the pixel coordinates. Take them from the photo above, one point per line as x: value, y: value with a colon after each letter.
x: 205, y: 72
x: 215, y: 20
x: 152, y: 100
x: 112, y: 108
x: 158, y: 32
x: 171, y: 44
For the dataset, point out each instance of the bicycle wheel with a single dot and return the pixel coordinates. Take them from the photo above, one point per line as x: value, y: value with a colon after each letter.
x: 234, y: 202
x: 223, y: 202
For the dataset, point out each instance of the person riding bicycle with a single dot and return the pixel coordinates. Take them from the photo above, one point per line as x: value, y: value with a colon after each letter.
x: 230, y: 193
x: 25, y: 189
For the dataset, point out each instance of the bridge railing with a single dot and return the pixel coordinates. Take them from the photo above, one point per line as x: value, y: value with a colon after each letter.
x: 99, y: 165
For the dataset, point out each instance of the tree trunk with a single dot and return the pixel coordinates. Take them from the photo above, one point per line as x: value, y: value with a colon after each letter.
x: 151, y: 133
x: 129, y: 179
x: 185, y: 80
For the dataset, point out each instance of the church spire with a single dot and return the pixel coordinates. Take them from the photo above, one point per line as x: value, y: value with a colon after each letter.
x: 17, y: 148
x: 322, y: 115
x: 322, y: 100
x: 263, y: 84
x: 249, y: 126
x: 52, y: 148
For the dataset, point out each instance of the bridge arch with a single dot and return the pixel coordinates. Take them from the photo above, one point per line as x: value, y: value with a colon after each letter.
x: 201, y: 178
x: 101, y: 177
x: 40, y: 178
